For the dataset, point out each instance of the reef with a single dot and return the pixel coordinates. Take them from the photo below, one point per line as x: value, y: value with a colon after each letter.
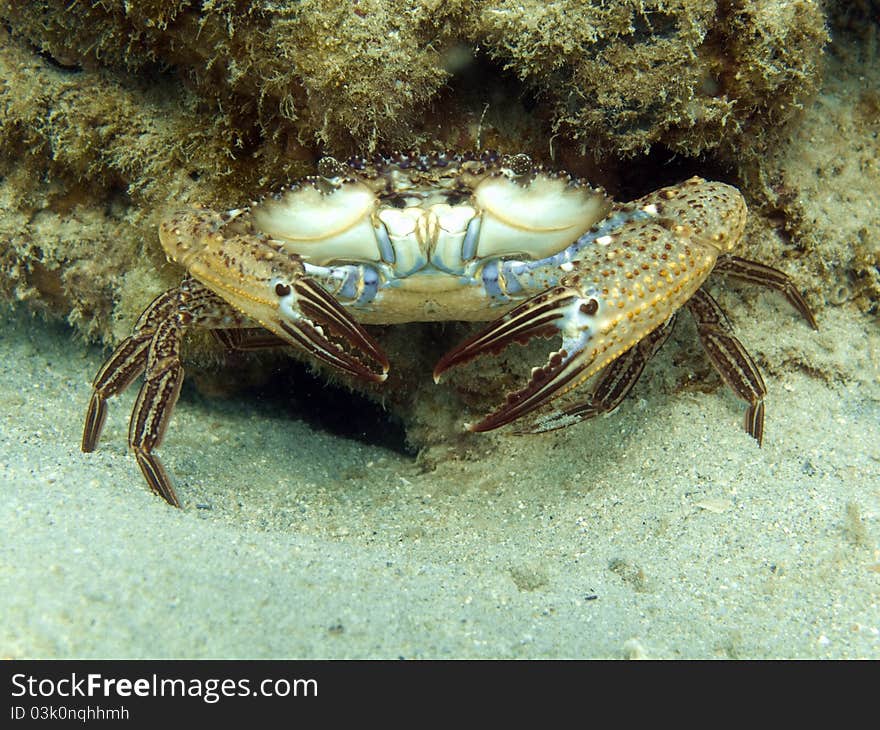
x: 113, y: 113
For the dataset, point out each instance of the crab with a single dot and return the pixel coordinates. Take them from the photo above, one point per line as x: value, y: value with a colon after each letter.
x: 440, y: 237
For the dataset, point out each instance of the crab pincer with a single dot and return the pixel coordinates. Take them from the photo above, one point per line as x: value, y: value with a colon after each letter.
x: 560, y: 310
x: 615, y: 304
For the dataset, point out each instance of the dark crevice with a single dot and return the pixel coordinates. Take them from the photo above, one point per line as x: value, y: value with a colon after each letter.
x: 502, y: 100
x: 55, y: 63
x: 662, y: 167
x: 337, y: 410
x: 297, y: 393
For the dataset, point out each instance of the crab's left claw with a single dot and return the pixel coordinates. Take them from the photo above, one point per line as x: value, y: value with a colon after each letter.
x: 614, y: 384
x: 562, y: 309
x: 311, y: 318
x: 271, y: 289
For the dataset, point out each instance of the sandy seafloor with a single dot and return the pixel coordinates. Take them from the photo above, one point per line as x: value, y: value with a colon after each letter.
x: 660, y: 531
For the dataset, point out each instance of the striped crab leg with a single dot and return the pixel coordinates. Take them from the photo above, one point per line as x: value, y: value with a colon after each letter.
x: 731, y: 359
x: 126, y: 363
x: 763, y: 275
x: 154, y: 347
x: 321, y: 327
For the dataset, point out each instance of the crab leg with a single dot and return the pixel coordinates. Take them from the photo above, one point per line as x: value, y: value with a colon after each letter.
x: 155, y: 404
x: 154, y: 348
x: 752, y: 271
x: 125, y: 364
x: 615, y: 383
x: 733, y: 363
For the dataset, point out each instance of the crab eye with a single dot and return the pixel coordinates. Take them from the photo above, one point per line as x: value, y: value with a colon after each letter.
x: 282, y: 290
x: 590, y: 307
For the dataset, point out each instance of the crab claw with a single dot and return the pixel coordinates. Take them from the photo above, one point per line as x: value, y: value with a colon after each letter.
x: 310, y: 318
x: 268, y: 286
x: 562, y: 309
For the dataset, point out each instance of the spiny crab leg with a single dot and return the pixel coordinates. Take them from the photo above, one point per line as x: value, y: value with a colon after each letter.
x: 125, y: 364
x: 726, y: 352
x: 155, y: 404
x: 614, y: 384
x: 154, y: 348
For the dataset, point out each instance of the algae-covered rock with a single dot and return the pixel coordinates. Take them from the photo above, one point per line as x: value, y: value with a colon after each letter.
x: 694, y: 75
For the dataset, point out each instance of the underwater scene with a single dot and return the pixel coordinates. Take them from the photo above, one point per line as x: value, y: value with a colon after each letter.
x: 427, y: 330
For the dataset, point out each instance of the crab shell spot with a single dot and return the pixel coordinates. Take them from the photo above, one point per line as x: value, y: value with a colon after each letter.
x: 322, y: 227
x: 715, y: 213
x: 538, y: 219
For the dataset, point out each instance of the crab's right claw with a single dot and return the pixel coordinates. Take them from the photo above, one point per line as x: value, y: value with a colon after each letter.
x: 310, y: 318
x: 561, y: 309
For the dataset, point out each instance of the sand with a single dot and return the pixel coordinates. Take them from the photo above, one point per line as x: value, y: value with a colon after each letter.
x: 659, y: 531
